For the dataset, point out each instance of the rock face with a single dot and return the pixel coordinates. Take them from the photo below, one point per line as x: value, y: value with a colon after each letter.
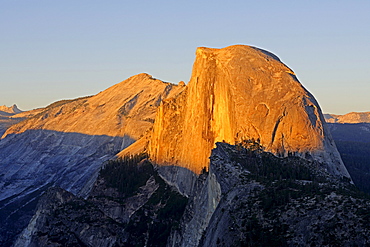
x: 67, y: 142
x: 352, y: 117
x: 241, y: 93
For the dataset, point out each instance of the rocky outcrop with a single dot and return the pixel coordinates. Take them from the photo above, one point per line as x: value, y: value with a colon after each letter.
x: 11, y: 110
x: 241, y: 93
x: 352, y: 117
x: 67, y: 142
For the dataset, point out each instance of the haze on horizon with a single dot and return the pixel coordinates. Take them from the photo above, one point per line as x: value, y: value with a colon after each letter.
x: 59, y: 50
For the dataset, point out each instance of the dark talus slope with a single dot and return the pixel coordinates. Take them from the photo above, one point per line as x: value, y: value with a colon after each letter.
x: 66, y: 143
x: 248, y: 198
x: 239, y: 93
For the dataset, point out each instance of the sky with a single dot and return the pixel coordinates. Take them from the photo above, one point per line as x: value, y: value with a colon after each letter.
x: 53, y: 50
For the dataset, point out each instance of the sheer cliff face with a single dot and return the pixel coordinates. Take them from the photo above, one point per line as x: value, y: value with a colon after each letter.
x: 239, y: 93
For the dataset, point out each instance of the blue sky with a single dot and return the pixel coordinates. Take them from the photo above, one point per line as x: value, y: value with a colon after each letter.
x: 52, y: 50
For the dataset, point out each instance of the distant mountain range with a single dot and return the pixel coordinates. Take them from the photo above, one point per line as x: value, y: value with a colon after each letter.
x: 8, y: 111
x: 352, y: 117
x: 8, y: 117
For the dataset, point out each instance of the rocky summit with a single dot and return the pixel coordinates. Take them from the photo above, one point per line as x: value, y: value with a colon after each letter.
x: 239, y: 93
x: 241, y: 155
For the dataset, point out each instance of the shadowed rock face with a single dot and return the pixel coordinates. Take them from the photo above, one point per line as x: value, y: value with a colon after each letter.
x: 239, y: 93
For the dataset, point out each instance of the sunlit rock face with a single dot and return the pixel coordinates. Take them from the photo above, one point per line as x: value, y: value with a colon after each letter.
x: 127, y: 108
x: 239, y: 93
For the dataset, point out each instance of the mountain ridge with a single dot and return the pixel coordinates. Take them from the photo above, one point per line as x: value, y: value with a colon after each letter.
x: 107, y: 113
x: 352, y: 117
